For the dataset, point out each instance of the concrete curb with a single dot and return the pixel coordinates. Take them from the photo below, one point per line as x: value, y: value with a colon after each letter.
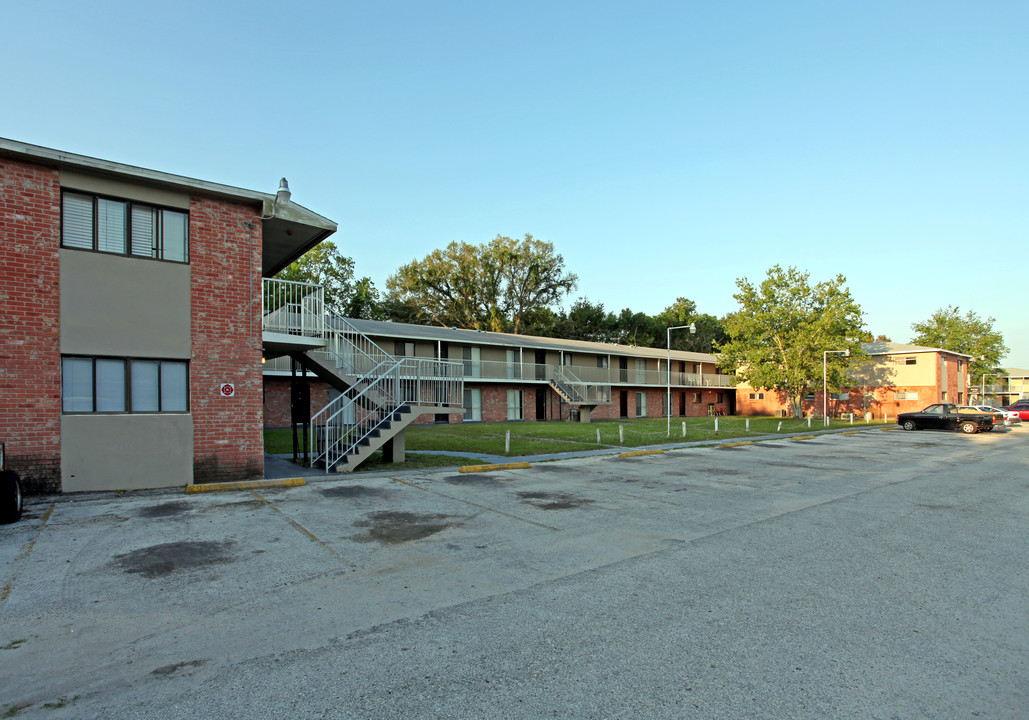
x: 637, y: 453
x: 737, y: 444
x: 487, y: 468
x: 244, y: 485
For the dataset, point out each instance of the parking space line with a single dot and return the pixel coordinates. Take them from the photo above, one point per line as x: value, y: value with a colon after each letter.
x: 481, y: 507
x: 303, y: 531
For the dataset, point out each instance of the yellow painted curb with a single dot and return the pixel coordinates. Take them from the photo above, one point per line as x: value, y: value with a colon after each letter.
x: 738, y: 444
x: 803, y: 437
x: 637, y: 453
x: 851, y: 432
x: 243, y: 485
x: 501, y: 466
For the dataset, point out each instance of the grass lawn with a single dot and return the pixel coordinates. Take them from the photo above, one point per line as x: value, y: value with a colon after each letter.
x: 533, y: 438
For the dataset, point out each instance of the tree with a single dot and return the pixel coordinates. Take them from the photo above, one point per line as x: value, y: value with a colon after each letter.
x: 496, y: 286
x: 324, y: 265
x: 710, y: 332
x: 969, y: 335
x: 778, y: 335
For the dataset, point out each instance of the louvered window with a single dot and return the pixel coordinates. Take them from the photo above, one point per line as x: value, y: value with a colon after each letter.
x: 123, y: 227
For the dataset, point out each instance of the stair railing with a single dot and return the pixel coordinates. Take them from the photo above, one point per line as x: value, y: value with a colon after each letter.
x: 383, y: 385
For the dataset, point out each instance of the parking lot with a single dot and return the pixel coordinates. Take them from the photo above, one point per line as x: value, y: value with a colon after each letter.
x: 874, y: 574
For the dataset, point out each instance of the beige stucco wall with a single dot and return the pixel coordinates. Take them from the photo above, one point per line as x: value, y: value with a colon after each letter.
x: 123, y: 306
x: 125, y: 452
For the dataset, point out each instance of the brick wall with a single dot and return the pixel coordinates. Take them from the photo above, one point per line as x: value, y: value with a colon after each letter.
x: 225, y: 263
x: 276, y: 399
x: 30, y: 361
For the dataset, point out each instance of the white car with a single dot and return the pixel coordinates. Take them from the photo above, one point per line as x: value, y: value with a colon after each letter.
x: 1011, y: 417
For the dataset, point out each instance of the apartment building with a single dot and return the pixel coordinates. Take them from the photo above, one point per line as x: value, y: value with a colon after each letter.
x: 131, y: 329
x: 895, y: 378
x: 528, y: 378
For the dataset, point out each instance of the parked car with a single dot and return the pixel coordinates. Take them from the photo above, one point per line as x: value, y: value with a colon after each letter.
x: 944, y: 416
x: 998, y: 416
x: 1021, y: 407
x: 1010, y: 416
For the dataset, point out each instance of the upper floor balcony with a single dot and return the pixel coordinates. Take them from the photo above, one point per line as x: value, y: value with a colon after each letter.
x: 293, y: 315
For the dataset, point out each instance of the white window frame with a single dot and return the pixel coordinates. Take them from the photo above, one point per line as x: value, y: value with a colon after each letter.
x: 472, y: 405
x: 515, y: 408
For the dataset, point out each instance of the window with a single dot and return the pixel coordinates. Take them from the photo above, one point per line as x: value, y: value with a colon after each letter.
x: 403, y: 349
x: 514, y: 404
x: 123, y: 227
x: 843, y: 396
x: 119, y: 385
x: 641, y: 370
x: 602, y: 361
x: 757, y: 396
x: 809, y: 396
x: 910, y: 360
x: 641, y: 404
x: 720, y: 397
x: 514, y: 365
x: 471, y: 357
x: 905, y: 395
x: 696, y: 368
x: 697, y: 397
x: 566, y: 359
x: 472, y: 404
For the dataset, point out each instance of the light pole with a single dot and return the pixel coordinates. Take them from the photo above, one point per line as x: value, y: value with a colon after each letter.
x: 668, y: 370
x: 825, y: 397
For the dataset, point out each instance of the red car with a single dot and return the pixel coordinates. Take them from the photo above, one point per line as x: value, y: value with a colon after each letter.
x: 1021, y: 407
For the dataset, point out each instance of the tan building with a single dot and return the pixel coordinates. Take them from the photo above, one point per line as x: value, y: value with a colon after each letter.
x: 896, y: 378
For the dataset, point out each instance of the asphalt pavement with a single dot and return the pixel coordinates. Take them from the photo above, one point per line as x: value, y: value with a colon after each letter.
x: 879, y: 574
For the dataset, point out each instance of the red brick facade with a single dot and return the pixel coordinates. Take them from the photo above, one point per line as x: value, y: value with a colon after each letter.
x: 494, y: 402
x: 225, y: 265
x: 30, y: 361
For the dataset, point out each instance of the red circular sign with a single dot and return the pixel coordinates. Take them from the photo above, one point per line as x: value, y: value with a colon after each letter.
x: 228, y: 389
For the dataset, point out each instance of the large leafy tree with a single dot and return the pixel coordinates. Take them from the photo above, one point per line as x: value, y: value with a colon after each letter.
x: 344, y: 294
x: 968, y: 334
x: 709, y: 335
x: 782, y: 327
x: 497, y: 286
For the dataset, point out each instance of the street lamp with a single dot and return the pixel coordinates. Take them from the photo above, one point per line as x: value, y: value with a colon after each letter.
x: 668, y: 369
x: 825, y: 397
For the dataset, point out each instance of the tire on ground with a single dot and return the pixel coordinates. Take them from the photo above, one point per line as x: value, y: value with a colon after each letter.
x: 10, y: 496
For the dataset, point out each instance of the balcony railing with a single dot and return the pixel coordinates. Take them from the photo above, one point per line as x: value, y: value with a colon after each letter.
x: 499, y: 370
x: 293, y: 308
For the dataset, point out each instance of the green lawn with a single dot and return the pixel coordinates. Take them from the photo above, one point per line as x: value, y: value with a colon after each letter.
x: 534, y: 438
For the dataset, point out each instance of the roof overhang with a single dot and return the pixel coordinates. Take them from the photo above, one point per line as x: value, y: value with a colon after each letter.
x: 289, y: 231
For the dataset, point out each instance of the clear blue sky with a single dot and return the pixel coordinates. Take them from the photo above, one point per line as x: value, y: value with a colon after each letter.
x: 665, y: 148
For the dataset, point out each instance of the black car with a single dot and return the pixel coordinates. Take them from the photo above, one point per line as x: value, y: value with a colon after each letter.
x: 944, y: 416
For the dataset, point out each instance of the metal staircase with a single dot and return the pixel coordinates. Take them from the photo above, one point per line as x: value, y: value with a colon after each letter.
x: 582, y: 395
x: 381, y: 395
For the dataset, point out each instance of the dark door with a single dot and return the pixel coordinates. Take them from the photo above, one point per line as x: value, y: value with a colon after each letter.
x: 541, y: 403
x: 623, y: 372
x: 623, y: 403
x: 541, y: 364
